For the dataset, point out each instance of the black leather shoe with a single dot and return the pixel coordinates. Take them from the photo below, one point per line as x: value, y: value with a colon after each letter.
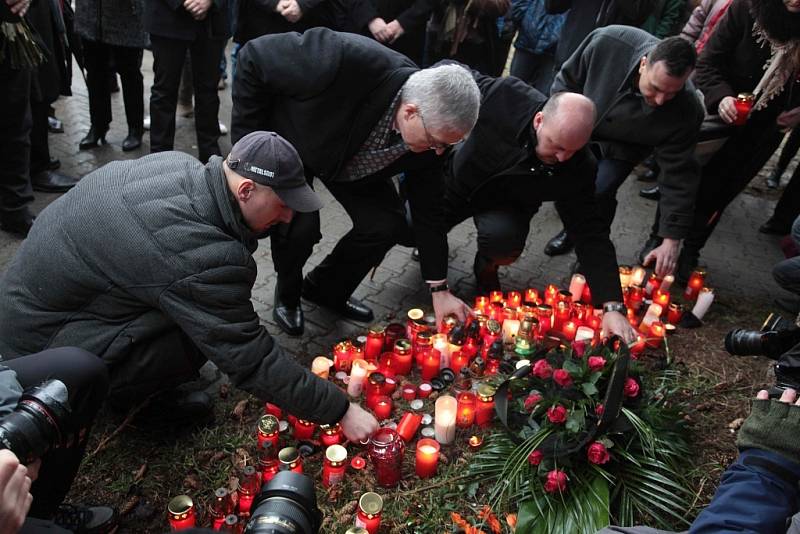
x: 651, y: 243
x: 560, y: 244
x: 415, y: 254
x: 290, y: 319
x: 53, y: 182
x: 54, y: 164
x: 18, y: 224
x: 133, y: 141
x: 351, y: 308
x: 486, y: 276
x: 86, y: 519
x: 774, y: 180
x: 176, y: 410
x: 773, y: 227
x: 94, y: 138
x: 650, y: 193
x: 650, y: 175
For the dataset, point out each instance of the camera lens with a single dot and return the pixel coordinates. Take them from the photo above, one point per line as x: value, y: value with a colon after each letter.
x: 35, y: 424
x: 741, y: 342
x: 287, y: 505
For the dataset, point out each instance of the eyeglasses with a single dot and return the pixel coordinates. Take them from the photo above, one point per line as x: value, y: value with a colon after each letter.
x: 432, y: 143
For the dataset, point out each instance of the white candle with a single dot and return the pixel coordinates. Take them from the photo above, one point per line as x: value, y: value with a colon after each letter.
x: 637, y: 276
x: 653, y: 313
x: 666, y: 283
x: 584, y: 333
x: 357, y: 375
x: 321, y: 366
x: 441, y: 344
x: 624, y: 276
x: 576, y: 286
x: 510, y: 330
x: 704, y: 300
x: 445, y: 419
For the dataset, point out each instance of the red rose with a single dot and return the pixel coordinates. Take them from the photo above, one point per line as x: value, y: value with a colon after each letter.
x: 535, y: 457
x: 562, y: 378
x: 597, y: 453
x: 557, y: 414
x: 531, y: 401
x: 599, y: 410
x: 578, y: 348
x: 556, y: 481
x: 631, y: 388
x: 596, y: 363
x: 542, y: 369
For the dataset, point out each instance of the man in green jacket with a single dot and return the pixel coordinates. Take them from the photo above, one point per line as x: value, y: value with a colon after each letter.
x: 644, y: 103
x: 148, y: 264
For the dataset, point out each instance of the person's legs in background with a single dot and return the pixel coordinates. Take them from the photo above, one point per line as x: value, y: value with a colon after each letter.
x: 168, y: 58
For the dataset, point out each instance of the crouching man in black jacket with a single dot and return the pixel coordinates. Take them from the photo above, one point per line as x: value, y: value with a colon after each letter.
x: 525, y: 150
x: 149, y: 265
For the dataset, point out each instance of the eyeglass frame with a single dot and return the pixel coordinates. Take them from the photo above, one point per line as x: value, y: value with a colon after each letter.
x: 432, y: 145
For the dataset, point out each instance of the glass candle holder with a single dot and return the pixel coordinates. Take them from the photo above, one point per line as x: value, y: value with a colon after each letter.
x: 465, y: 414
x: 569, y: 329
x: 422, y: 345
x: 430, y: 364
x: 383, y: 407
x: 403, y: 358
x: 674, y: 313
x: 290, y: 460
x: 653, y: 283
x: 484, y: 411
x: 625, y: 273
x: 368, y: 517
x: 394, y: 331
x: 386, y: 364
x: 427, y: 457
x: 415, y: 323
x: 221, y: 507
x: 661, y: 298
x: 444, y: 421
x: 181, y: 513
x: 409, y: 392
x: 331, y: 434
x: 249, y: 487
x: 373, y: 347
x: 334, y: 466
x: 386, y: 451
x: 303, y: 429
x: 744, y: 105
x: 342, y: 356
x: 532, y: 296
x: 268, y: 431
x: 375, y: 384
x: 637, y: 276
x: 268, y: 463
x: 656, y: 334
x: 514, y: 300
x: 232, y: 525
x: 696, y: 282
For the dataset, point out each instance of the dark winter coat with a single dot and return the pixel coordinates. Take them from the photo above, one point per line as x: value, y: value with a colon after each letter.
x: 324, y: 92
x: 159, y: 236
x: 114, y: 22
x: 497, y: 166
x: 169, y: 19
x: 604, y: 68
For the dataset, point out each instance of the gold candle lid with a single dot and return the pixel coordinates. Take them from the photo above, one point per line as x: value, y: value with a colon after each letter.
x: 288, y: 455
x: 377, y: 329
x: 493, y: 326
x: 343, y: 345
x: 356, y: 530
x: 402, y: 346
x: 746, y: 97
x: 180, y: 505
x: 416, y: 314
x: 371, y: 503
x: 424, y: 338
x: 268, y: 424
x: 336, y: 454
x: 486, y: 390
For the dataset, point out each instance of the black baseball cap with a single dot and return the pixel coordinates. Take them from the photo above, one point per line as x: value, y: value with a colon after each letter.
x: 269, y: 159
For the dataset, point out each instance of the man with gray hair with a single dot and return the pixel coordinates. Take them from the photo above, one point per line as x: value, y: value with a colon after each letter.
x: 358, y: 114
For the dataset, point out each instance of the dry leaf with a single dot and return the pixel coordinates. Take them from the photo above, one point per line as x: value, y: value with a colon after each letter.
x: 239, y: 409
x: 736, y: 424
x: 192, y: 481
x: 140, y: 473
x: 224, y: 389
x: 128, y: 506
x: 241, y: 458
x: 214, y: 460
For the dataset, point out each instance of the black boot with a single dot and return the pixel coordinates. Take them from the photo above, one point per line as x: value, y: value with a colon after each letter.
x: 559, y: 244
x: 349, y: 308
x: 53, y: 182
x: 650, y: 193
x: 18, y: 223
x: 289, y: 318
x: 486, y: 277
x: 133, y: 141
x: 774, y: 227
x: 94, y: 138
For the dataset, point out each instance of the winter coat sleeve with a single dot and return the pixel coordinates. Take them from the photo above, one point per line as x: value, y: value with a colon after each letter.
x: 572, y: 76
x: 634, y: 12
x: 668, y: 18
x: 268, y: 5
x: 557, y: 6
x: 714, y: 66
x: 416, y: 15
x: 757, y: 495
x: 680, y: 177
x: 694, y: 26
x: 518, y: 10
x: 213, y: 308
x: 308, y: 5
x: 295, y: 65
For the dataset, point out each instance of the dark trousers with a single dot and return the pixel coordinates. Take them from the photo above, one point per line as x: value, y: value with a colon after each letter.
x: 86, y: 379
x: 789, y: 151
x: 788, y: 207
x: 168, y: 57
x: 128, y: 63
x: 787, y: 272
x: 40, y: 143
x: 15, y: 144
x: 536, y: 70
x: 379, y: 223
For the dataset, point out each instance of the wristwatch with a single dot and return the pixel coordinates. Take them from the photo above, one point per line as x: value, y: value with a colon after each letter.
x: 439, y: 287
x: 615, y: 307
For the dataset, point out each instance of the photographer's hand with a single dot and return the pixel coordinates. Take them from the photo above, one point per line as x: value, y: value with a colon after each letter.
x: 15, y: 499
x: 789, y: 396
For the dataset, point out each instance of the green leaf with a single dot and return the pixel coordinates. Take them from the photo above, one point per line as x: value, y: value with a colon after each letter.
x: 572, y: 367
x: 589, y: 389
x: 575, y: 421
x: 594, y: 377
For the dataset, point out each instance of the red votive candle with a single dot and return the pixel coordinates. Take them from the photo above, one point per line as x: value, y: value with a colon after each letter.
x: 334, y: 466
x: 408, y: 425
x: 369, y: 512
x: 656, y: 334
x: 481, y: 303
x: 402, y: 357
x: 331, y: 434
x: 383, y: 407
x: 249, y: 486
x: 569, y: 329
x: 389, y: 385
x: 696, y: 282
x: 268, y: 430
x: 409, y: 392
x: 386, y: 364
x: 290, y: 460
x: 465, y: 411
x: 427, y: 457
x: 374, y: 345
x: 430, y: 364
x: 661, y: 297
x: 342, y: 356
x: 514, y: 299
x: 424, y: 390
x: 484, y: 412
x: 220, y: 507
x: 674, y: 313
x: 496, y: 296
x: 303, y: 429
x: 274, y: 410
x: 180, y: 513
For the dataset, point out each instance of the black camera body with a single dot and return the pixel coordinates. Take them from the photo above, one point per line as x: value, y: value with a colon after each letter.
x: 779, y: 340
x: 36, y: 424
x: 287, y: 504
